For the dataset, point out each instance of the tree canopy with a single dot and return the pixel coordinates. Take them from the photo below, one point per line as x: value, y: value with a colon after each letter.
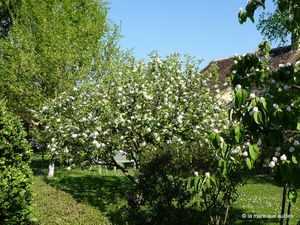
x: 278, y: 25
x: 47, y: 47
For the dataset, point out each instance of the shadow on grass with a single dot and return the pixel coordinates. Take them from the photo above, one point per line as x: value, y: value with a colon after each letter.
x: 107, y: 193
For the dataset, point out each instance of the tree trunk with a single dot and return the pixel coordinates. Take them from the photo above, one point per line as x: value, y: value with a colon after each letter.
x: 288, y: 213
x: 51, y: 167
x: 283, y: 203
x: 99, y: 168
x: 295, y: 42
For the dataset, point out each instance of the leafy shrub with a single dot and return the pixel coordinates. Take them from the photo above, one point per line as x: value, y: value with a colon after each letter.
x: 15, y: 175
x: 161, y: 195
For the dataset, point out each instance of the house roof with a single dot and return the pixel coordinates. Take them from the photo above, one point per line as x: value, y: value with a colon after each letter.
x: 280, y: 55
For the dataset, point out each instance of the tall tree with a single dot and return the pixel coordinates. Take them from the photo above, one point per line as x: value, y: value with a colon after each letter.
x: 272, y: 27
x: 47, y: 46
x: 278, y: 25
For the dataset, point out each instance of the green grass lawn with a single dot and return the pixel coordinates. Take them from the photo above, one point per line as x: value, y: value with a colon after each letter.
x: 53, y: 206
x: 261, y: 197
x: 86, y: 197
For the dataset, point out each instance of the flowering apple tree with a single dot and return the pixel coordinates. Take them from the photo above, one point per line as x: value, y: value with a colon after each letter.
x: 141, y: 109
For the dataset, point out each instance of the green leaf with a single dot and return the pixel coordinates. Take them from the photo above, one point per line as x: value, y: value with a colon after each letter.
x: 197, y: 182
x: 237, y: 132
x: 249, y: 163
x: 213, y: 179
x: 212, y: 136
x: 220, y: 163
x: 298, y: 125
x: 225, y: 168
x: 238, y: 97
x: 245, y: 95
x: 292, y: 196
x: 208, y: 185
x: 191, y: 181
x: 264, y: 104
x: 254, y: 152
x: 224, y: 149
x: 294, y: 159
x: 257, y: 117
x: 242, y: 17
x: 214, y: 139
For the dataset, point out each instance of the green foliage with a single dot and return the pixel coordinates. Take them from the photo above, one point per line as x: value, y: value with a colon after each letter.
x: 272, y: 26
x: 213, y: 195
x: 161, y: 195
x: 165, y: 107
x: 15, y: 176
x: 265, y: 110
x: 279, y: 24
x: 50, y: 47
x: 250, y: 10
x: 271, y: 115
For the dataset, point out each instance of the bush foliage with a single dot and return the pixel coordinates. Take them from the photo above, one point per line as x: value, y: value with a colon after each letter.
x: 15, y: 175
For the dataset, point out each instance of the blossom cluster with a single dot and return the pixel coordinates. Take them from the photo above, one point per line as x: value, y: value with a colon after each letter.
x: 139, y: 109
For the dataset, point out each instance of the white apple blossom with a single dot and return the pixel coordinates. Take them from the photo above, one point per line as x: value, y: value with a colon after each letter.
x: 291, y: 17
x: 274, y: 159
x: 296, y: 143
x: 245, y: 153
x: 277, y: 154
x: 216, y: 131
x: 275, y: 106
x: 272, y: 164
x: 292, y: 149
x: 238, y: 87
x: 74, y: 135
x: 252, y: 95
x: 261, y: 99
x: 283, y: 157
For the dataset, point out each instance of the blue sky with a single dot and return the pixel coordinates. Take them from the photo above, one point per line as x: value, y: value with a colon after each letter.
x: 205, y: 29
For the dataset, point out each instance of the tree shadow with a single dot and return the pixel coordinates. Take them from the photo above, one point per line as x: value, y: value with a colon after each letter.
x: 107, y: 193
